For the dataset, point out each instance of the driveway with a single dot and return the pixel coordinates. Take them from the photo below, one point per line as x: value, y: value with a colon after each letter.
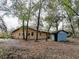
x: 10, y: 42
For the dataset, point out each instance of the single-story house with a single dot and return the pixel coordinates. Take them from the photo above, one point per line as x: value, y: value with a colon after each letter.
x: 18, y: 34
x: 60, y: 35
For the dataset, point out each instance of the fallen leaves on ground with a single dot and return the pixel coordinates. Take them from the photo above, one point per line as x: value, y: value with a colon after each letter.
x: 39, y: 50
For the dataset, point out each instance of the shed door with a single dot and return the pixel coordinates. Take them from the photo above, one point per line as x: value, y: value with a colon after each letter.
x: 62, y: 36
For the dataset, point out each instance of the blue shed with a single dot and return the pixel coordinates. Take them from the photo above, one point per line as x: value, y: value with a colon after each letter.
x: 61, y: 35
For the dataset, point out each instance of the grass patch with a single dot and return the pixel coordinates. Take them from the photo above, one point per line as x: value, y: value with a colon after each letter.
x: 2, y: 52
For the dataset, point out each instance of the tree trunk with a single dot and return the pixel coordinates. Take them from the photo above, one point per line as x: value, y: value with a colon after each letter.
x: 27, y: 30
x: 57, y: 26
x: 78, y: 26
x: 38, y: 21
x: 38, y: 25
x: 23, y: 30
x: 28, y: 20
x: 3, y: 27
x: 73, y: 31
x: 48, y: 31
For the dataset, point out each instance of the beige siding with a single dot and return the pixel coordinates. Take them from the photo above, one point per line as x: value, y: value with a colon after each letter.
x: 32, y: 34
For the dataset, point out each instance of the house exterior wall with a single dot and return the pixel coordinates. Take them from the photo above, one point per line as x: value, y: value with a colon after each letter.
x: 31, y: 34
x: 52, y: 36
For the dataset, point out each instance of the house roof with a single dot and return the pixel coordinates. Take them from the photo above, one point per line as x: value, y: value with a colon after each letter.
x: 40, y: 30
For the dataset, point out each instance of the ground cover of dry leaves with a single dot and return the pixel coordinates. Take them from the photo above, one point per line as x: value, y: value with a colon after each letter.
x: 21, y: 49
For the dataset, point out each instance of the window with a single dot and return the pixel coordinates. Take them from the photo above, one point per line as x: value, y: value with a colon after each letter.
x: 23, y: 33
x: 28, y: 34
x: 40, y: 34
x: 19, y: 34
x: 32, y: 33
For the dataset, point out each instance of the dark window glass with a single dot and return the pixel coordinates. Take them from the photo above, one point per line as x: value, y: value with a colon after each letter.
x: 19, y: 34
x: 40, y: 34
x: 28, y: 34
x: 32, y: 33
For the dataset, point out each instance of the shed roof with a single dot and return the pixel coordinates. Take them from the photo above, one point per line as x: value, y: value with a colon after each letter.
x: 69, y: 33
x: 63, y: 31
x: 60, y: 31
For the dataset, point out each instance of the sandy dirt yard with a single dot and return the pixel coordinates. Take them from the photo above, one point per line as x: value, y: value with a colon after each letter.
x: 21, y: 49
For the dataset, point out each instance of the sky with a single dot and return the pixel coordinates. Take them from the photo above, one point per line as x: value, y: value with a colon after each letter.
x: 11, y: 22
